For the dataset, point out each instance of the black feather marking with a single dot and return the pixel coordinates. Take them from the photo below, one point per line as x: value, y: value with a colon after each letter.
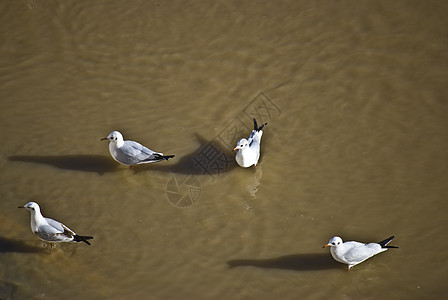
x: 82, y: 238
x: 387, y: 241
x: 161, y: 157
x: 158, y: 157
x: 256, y: 128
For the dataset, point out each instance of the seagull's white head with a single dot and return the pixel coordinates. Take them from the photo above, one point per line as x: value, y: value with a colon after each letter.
x: 114, y: 137
x: 243, y: 143
x: 31, y: 206
x: 335, y: 241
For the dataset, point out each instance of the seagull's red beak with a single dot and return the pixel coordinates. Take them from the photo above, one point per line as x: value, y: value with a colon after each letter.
x: 325, y: 246
x: 103, y: 139
x: 236, y: 148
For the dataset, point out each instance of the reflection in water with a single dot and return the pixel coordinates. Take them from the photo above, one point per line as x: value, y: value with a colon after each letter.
x: 297, y: 262
x: 253, y: 182
x: 89, y: 163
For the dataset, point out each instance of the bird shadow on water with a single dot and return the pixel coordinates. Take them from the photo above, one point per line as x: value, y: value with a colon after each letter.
x: 211, y: 157
x: 8, y: 289
x: 82, y: 162
x: 295, y: 262
x: 10, y: 245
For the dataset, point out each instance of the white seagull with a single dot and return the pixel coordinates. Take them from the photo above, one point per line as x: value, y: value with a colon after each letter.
x: 353, y: 253
x: 131, y: 153
x: 248, y: 151
x: 49, y: 230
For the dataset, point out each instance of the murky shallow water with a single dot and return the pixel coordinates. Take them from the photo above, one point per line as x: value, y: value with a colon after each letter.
x: 354, y: 93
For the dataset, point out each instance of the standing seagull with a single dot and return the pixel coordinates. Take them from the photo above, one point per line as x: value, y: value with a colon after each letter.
x: 49, y: 230
x: 248, y: 151
x: 353, y: 253
x: 131, y: 153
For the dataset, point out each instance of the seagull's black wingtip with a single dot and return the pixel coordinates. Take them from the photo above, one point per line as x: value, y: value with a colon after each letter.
x: 387, y: 241
x: 166, y: 157
x: 157, y: 157
x: 256, y: 128
x: 82, y: 238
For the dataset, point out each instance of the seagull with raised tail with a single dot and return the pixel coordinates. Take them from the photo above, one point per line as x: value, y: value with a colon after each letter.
x: 131, y: 153
x: 353, y: 253
x: 248, y: 150
x: 49, y: 230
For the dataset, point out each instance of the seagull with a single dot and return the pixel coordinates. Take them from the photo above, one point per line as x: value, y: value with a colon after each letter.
x: 353, y: 253
x: 131, y: 153
x: 248, y: 151
x: 49, y: 230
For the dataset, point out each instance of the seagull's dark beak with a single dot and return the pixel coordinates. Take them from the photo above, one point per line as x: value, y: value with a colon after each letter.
x: 103, y: 139
x: 21, y: 207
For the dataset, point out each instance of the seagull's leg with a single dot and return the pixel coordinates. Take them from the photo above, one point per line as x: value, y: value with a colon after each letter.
x: 51, y: 246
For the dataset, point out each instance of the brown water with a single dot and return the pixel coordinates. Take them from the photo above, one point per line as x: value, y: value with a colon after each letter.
x: 355, y: 96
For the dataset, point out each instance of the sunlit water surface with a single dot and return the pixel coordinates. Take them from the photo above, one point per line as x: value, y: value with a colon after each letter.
x: 354, y: 93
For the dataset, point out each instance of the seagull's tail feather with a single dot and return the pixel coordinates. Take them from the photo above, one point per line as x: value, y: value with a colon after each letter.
x: 82, y: 238
x: 387, y: 241
x: 256, y: 128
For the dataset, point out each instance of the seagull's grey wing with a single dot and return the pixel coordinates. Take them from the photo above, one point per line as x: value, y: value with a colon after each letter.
x: 255, y: 138
x: 359, y: 252
x: 251, y: 137
x: 54, y: 231
x: 136, y: 152
x: 55, y: 224
x: 141, y: 151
